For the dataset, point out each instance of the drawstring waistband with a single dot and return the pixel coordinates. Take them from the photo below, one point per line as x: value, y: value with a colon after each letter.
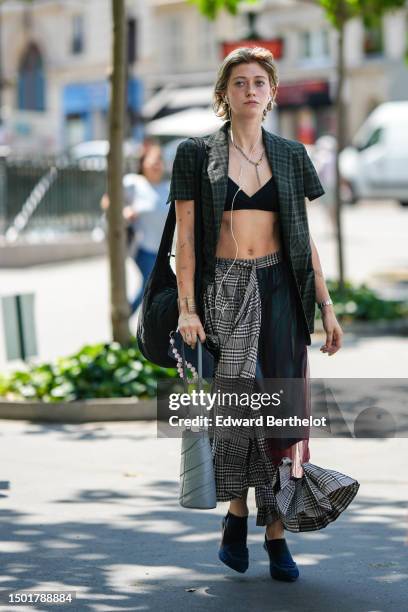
x: 234, y: 269
x: 257, y: 262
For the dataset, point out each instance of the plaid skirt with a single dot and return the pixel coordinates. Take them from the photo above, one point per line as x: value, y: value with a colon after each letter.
x: 252, y: 314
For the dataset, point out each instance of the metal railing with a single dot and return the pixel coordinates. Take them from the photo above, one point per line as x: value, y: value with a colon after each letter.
x: 49, y: 195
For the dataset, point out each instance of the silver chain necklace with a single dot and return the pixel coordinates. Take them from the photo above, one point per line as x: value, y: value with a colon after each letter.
x: 254, y: 163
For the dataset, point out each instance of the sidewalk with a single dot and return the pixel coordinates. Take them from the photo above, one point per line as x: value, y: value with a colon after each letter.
x: 94, y: 508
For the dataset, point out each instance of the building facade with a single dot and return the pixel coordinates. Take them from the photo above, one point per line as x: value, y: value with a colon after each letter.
x: 183, y: 50
x: 56, y: 57
x: 55, y: 63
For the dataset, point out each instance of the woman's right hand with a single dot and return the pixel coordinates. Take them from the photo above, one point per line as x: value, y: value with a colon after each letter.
x: 189, y: 325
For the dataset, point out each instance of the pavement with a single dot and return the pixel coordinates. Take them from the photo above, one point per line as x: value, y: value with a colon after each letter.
x: 374, y: 238
x: 93, y: 508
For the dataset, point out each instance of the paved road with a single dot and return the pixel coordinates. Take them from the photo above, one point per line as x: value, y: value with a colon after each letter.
x: 93, y: 508
x: 374, y: 240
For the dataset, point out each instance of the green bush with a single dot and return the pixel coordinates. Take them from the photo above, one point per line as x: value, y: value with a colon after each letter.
x: 101, y: 370
x: 362, y: 304
x: 110, y: 370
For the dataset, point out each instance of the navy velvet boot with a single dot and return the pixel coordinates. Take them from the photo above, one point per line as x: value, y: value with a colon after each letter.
x: 233, y: 550
x: 281, y: 564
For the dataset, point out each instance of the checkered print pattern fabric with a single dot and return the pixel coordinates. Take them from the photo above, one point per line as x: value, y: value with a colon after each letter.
x: 309, y: 503
x: 295, y: 178
x: 232, y: 317
x: 232, y: 307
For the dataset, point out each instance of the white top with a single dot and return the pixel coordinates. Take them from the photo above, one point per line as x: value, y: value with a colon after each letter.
x: 149, y: 201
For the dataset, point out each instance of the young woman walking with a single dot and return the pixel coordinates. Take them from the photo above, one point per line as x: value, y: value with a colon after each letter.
x: 261, y: 280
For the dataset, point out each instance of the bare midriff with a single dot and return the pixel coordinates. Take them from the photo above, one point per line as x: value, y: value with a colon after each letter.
x: 256, y: 232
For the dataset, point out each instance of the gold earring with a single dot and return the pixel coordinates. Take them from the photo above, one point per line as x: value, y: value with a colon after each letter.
x: 268, y: 108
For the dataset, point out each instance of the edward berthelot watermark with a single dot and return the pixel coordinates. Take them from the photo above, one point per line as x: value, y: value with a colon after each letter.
x: 261, y: 420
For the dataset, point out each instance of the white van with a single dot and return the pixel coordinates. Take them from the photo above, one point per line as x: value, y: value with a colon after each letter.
x: 376, y: 165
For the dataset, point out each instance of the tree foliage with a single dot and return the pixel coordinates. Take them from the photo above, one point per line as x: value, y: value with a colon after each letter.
x: 337, y: 11
x: 371, y: 11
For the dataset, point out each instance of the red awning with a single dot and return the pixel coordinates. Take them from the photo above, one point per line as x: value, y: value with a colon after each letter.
x: 303, y: 93
x: 274, y: 45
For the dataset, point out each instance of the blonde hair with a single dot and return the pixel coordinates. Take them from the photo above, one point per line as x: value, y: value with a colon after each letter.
x: 242, y: 55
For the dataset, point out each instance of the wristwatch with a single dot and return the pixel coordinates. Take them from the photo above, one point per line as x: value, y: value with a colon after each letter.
x: 324, y: 303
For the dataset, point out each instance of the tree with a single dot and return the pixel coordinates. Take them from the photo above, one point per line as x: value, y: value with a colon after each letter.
x: 116, y: 229
x: 1, y: 70
x: 338, y: 13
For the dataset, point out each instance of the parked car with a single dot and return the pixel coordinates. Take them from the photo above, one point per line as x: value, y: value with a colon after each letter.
x: 376, y: 164
x: 92, y: 154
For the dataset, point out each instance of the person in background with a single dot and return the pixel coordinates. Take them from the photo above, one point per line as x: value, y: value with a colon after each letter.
x: 324, y: 157
x: 145, y: 211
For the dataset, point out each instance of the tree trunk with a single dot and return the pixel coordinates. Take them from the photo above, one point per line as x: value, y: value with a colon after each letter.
x: 341, y: 123
x: 1, y: 70
x: 116, y: 226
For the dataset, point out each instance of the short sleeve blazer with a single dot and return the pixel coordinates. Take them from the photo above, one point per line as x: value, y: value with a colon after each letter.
x: 295, y: 177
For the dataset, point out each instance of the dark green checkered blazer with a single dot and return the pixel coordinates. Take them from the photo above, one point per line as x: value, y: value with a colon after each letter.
x: 295, y: 178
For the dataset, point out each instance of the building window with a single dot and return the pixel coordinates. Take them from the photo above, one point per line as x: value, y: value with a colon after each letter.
x: 305, y: 44
x: 207, y: 43
x: 132, y: 40
x: 31, y: 81
x: 373, y: 40
x: 77, y: 38
x: 75, y: 129
x: 315, y: 44
x: 173, y: 42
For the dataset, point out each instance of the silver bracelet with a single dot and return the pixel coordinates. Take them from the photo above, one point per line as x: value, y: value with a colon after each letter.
x: 324, y: 303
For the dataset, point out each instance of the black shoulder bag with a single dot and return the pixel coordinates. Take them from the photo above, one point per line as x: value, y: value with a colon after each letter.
x: 159, y: 310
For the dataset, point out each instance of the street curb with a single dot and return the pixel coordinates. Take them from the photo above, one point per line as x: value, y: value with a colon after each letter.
x: 133, y: 409
x: 81, y: 411
x: 66, y: 249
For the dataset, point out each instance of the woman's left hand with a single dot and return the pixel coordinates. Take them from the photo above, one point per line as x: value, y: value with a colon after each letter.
x: 334, y: 333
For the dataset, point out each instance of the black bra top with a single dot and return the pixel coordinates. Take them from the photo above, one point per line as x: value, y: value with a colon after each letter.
x: 266, y: 198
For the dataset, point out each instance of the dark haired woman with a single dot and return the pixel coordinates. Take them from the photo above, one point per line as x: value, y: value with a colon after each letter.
x: 261, y: 280
x: 145, y: 212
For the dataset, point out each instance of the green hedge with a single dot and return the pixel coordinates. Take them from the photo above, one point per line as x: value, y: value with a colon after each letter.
x: 101, y: 370
x: 110, y: 370
x: 360, y: 303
